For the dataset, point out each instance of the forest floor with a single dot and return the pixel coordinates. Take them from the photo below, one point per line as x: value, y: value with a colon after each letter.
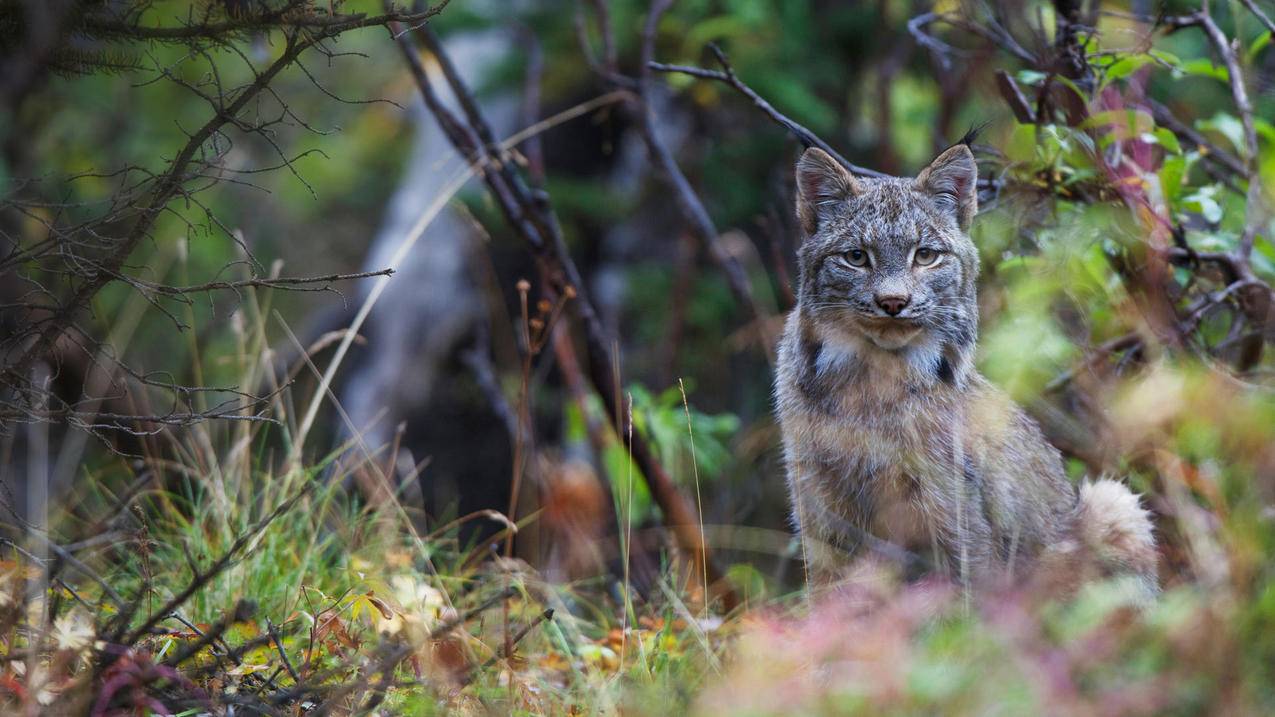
x: 295, y: 601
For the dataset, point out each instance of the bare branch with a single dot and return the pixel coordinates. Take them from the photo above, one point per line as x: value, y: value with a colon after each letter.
x: 1261, y: 16
x: 321, y: 24
x: 1255, y: 211
x: 1014, y: 97
x: 90, y: 254
x: 727, y: 75
x: 532, y: 217
x: 688, y: 200
x: 299, y: 283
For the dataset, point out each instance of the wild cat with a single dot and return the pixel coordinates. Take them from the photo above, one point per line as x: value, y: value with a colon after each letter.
x: 893, y: 442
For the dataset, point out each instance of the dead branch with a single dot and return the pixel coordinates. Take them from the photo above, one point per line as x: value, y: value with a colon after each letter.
x: 242, y: 611
x: 1014, y: 97
x: 1261, y: 16
x: 1254, y: 213
x: 273, y: 632
x: 727, y: 76
x: 692, y: 207
x: 507, y: 651
x: 803, y: 135
x: 286, y: 18
x: 300, y: 283
x: 531, y: 216
x: 94, y: 251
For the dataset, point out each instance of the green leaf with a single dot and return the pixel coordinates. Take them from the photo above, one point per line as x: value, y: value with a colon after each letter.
x: 1265, y: 129
x: 1015, y: 263
x: 1263, y: 257
x: 1256, y: 48
x: 1201, y: 67
x: 1132, y: 121
x: 1021, y: 146
x: 1031, y: 77
x: 1202, y: 201
x: 1165, y: 138
x: 1167, y: 58
x: 1124, y: 67
x: 1226, y: 125
x: 1212, y: 241
x: 1065, y: 82
x: 1171, y: 174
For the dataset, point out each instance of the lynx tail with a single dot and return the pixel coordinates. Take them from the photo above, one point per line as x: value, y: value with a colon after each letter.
x: 1114, y: 525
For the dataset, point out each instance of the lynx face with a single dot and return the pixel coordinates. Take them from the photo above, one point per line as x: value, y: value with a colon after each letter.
x: 888, y: 260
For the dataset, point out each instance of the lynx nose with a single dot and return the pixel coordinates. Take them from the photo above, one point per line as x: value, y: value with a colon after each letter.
x: 892, y: 303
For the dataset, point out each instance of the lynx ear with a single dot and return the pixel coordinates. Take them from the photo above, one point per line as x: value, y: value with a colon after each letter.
x: 950, y: 180
x: 822, y: 183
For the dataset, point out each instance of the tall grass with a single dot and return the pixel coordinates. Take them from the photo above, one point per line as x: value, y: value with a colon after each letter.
x: 320, y: 587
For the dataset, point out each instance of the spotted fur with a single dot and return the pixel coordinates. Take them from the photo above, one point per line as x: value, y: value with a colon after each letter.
x: 893, y: 442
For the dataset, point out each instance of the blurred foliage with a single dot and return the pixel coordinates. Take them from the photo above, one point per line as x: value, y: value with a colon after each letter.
x: 1175, y: 421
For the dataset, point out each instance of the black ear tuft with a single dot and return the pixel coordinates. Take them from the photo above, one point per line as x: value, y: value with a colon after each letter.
x: 971, y: 134
x: 822, y: 183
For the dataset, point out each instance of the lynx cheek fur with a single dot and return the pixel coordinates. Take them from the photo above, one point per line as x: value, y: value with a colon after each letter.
x: 893, y: 442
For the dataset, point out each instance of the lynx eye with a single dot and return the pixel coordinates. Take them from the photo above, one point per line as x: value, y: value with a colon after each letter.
x: 857, y: 257
x: 925, y: 257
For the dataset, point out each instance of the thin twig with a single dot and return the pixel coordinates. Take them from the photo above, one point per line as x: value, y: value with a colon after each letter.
x: 803, y: 135
x: 1254, y: 211
x: 242, y: 611
x: 727, y: 75
x: 280, y: 282
x: 507, y: 651
x: 1261, y: 16
x: 688, y: 200
x: 283, y: 654
x: 325, y: 24
x: 199, y: 580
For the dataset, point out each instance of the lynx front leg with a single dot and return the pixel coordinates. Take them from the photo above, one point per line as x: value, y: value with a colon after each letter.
x: 824, y: 560
x: 965, y: 535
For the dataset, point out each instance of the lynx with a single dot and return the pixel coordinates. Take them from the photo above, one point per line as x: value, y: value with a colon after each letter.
x: 893, y: 442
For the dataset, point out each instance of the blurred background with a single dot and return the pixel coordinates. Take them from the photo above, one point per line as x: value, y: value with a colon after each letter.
x: 1125, y: 231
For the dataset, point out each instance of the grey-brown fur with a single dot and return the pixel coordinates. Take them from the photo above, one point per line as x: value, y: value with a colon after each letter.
x: 893, y: 442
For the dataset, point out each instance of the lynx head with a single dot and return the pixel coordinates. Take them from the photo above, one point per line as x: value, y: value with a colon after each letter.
x: 887, y: 264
